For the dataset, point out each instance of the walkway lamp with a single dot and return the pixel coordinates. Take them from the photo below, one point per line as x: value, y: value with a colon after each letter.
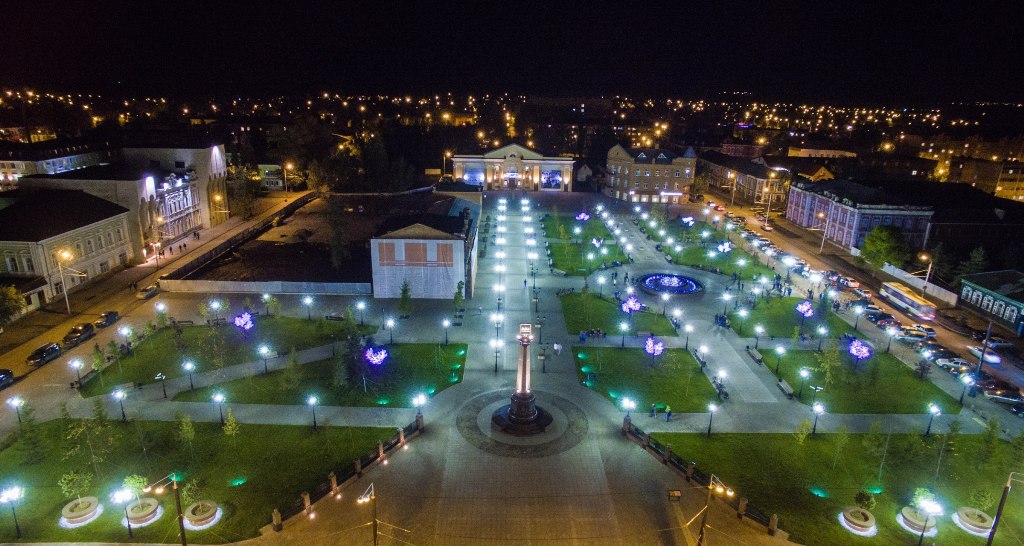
x: 967, y: 380
x: 76, y: 364
x: 308, y: 302
x: 189, y: 368
x: 390, y: 325
x: 779, y: 350
x: 933, y: 411
x: 857, y: 311
x: 600, y: 284
x: 419, y: 400
x: 714, y: 485
x: 818, y: 410
x: 623, y: 327
x: 629, y: 405
x: 265, y: 352
x: 496, y: 344
x: 218, y: 398
x: 758, y: 332
x: 120, y: 395
x: 821, y: 336
x: 712, y: 408
x: 361, y: 307
x: 312, y: 401
x: 16, y: 402
x: 688, y: 328
x: 804, y: 374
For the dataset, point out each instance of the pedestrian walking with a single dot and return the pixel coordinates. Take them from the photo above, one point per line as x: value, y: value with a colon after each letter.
x: 652, y: 410
x: 524, y: 284
x: 185, y: 245
x: 480, y: 310
x: 668, y: 413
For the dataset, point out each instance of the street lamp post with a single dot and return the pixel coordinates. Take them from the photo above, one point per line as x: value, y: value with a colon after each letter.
x: 600, y: 286
x: 419, y: 400
x: 287, y: 167
x: 64, y: 255
x: 804, y: 374
x: 311, y: 401
x: 266, y: 304
x: 928, y: 272
x: 742, y: 314
x: 758, y: 332
x: 497, y: 318
x: 858, y: 311
x: 124, y: 496
x: 664, y: 304
x: 76, y: 364
x: 16, y: 402
x: 218, y: 397
x: 623, y: 327
x: 712, y: 408
x: 818, y: 410
x: 189, y: 368
x: 265, y: 352
x: 308, y: 302
x: 163, y: 382
x: 890, y: 333
x: 361, y: 307
x: 390, y: 324
x: 119, y: 395
x: 496, y: 345
x: 725, y: 298
x: 933, y: 411
x: 370, y: 496
x: 821, y: 336
x: 779, y: 350
x: 967, y: 380
x: 703, y: 349
x: 629, y: 405
x: 1002, y: 502
x: 716, y: 485
x: 688, y: 328
x: 446, y: 323
x: 930, y: 509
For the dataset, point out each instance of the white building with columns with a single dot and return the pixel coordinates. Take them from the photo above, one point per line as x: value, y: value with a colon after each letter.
x: 514, y: 167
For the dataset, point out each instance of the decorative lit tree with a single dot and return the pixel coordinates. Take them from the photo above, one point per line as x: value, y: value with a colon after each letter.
x: 806, y: 311
x: 860, y: 352
x: 631, y: 305
x: 653, y: 348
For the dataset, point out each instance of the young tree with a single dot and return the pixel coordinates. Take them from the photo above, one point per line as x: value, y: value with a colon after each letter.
x: 802, y: 431
x: 186, y: 432
x: 841, y: 437
x: 290, y: 376
x: 989, y: 440
x: 829, y: 364
x: 873, y: 440
x: 457, y: 298
x: 135, y: 483
x: 190, y: 492
x: 405, y: 300
x: 885, y: 244
x: 982, y: 498
x: 864, y: 499
x: 273, y: 306
x: 74, y: 483
x: 231, y: 426
x: 12, y: 303
x: 977, y: 262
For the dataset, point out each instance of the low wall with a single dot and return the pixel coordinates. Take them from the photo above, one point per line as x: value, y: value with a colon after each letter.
x: 267, y: 287
x: 932, y: 291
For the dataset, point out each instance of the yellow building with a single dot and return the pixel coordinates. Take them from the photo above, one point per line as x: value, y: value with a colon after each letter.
x: 650, y: 175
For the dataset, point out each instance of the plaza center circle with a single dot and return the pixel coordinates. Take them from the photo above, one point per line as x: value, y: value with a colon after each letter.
x: 670, y: 283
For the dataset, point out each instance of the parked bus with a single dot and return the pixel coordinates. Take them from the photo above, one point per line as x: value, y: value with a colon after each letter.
x: 903, y: 299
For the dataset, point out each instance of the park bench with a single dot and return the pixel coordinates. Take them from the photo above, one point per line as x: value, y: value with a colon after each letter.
x: 785, y: 388
x: 183, y: 322
x: 668, y: 258
x: 643, y: 334
x: 337, y: 318
x: 216, y: 321
x: 559, y: 272
x: 755, y: 354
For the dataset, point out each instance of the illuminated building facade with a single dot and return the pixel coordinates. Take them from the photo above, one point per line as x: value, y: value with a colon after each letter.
x: 650, y: 175
x: 514, y: 167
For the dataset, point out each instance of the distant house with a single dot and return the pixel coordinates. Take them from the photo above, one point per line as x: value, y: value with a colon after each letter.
x: 749, y: 180
x: 997, y: 295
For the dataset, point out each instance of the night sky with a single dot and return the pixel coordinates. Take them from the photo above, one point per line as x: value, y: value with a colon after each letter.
x: 890, y: 52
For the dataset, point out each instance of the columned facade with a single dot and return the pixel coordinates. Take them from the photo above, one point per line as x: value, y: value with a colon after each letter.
x: 514, y: 167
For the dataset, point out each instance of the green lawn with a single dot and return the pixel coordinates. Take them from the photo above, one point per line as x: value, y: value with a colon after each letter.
x: 211, y: 348
x: 882, y: 384
x: 594, y: 312
x: 411, y: 369
x: 808, y: 485
x: 675, y: 378
x: 570, y: 256
x: 265, y: 467
x: 779, y: 318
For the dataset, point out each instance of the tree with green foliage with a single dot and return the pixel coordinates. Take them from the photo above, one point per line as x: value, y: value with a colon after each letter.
x: 988, y: 441
x: 886, y: 244
x: 186, y: 431
x: 864, y: 499
x: 98, y: 358
x: 457, y: 299
x: 405, y: 300
x: 802, y: 431
x: 12, y: 303
x: 190, y: 492
x: 74, y: 483
x: 829, y: 363
x: 977, y: 262
x: 873, y: 441
x: 135, y: 483
x: 290, y: 376
x: 273, y: 305
x: 922, y: 496
x: 942, y: 262
x: 231, y: 426
x: 982, y: 498
x: 242, y: 185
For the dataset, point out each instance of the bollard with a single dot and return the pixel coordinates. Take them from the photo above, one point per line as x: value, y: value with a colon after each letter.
x: 306, y: 505
x: 401, y: 436
x: 333, y: 478
x: 690, y: 467
x: 419, y: 422
x: 667, y: 454
x: 276, y: 521
x: 358, y: 463
x: 380, y: 450
x: 625, y: 426
x: 742, y: 509
x: 773, y: 524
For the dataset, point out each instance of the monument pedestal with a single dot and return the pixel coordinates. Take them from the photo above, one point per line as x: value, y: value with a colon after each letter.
x: 522, y: 417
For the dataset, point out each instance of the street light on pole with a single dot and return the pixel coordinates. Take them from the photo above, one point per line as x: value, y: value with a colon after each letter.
x: 189, y: 368
x: 967, y: 380
x: 779, y: 350
x: 933, y: 411
x: 265, y: 352
x: 742, y: 314
x: 600, y: 286
x: 688, y: 328
x: 629, y: 405
x: 163, y: 382
x: 496, y: 345
x: 712, y: 408
x: 312, y: 401
x: 76, y: 364
x: 419, y: 400
x: 390, y: 324
x: 124, y: 496
x: 361, y: 307
x: 821, y: 336
x: 497, y: 319
x: 858, y: 311
x: 308, y: 302
x: 370, y: 496
x: 804, y: 374
x: 725, y: 306
x: 65, y: 255
x: 714, y: 485
x: 930, y: 509
x: 446, y: 323
x: 218, y: 398
x: 818, y: 410
x: 120, y: 395
x: 758, y: 332
x: 623, y: 327
x: 1002, y: 502
x: 891, y: 333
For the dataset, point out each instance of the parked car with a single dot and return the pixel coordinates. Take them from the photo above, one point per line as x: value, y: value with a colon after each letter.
x: 992, y: 384
x: 877, y: 317
x: 147, y: 292
x: 719, y: 208
x: 935, y: 354
x: 997, y: 342
x: 926, y: 330
x: 991, y: 356
x: 1004, y: 396
x: 889, y: 323
x: 927, y: 345
x: 849, y: 282
x: 6, y: 378
x: 910, y: 336
x: 44, y: 354
x: 955, y: 366
x: 766, y: 227
x: 106, y: 319
x: 1017, y: 409
x: 78, y: 334
x: 863, y: 293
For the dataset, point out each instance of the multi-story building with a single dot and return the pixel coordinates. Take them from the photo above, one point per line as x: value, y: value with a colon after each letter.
x: 748, y: 180
x: 52, y: 239
x: 1010, y: 182
x: 18, y: 159
x: 996, y: 295
x: 203, y: 165
x: 650, y: 175
x: 819, y: 151
x: 514, y: 167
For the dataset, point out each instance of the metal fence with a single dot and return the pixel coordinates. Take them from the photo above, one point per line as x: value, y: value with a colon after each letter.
x: 693, y: 473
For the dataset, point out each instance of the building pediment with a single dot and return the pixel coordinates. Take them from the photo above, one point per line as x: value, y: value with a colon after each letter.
x: 418, y: 231
x: 510, y: 150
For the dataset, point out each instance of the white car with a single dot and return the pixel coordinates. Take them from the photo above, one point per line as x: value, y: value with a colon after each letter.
x: 910, y: 336
x: 953, y: 364
x: 927, y: 330
x: 871, y: 309
x: 998, y: 342
x: 990, y: 356
x: 849, y: 282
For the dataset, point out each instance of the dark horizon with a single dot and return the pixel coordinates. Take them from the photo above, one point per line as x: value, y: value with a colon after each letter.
x: 868, y: 53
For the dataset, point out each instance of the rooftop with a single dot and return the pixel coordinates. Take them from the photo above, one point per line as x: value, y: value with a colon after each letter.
x: 1008, y: 283
x: 738, y: 164
x: 37, y: 215
x: 49, y: 149
x: 113, y: 171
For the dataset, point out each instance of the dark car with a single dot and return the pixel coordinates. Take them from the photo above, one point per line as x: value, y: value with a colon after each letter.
x: 875, y: 317
x: 927, y: 345
x: 1004, y: 396
x: 935, y: 354
x: 6, y: 378
x: 1017, y: 409
x: 78, y: 334
x: 106, y: 319
x: 44, y: 354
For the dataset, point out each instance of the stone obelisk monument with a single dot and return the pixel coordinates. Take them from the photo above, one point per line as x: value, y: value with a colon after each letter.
x: 522, y: 416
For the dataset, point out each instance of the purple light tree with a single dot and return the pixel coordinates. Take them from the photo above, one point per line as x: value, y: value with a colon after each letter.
x: 806, y: 310
x: 583, y: 217
x: 375, y: 356
x: 653, y: 348
x: 244, y: 323
x: 860, y: 352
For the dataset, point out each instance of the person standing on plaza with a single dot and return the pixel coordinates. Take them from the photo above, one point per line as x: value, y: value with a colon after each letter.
x: 668, y: 413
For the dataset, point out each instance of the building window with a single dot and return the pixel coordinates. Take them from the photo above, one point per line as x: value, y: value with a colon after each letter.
x: 986, y: 303
x: 12, y: 264
x: 657, y: 173
x: 637, y: 172
x: 29, y: 265
x: 636, y: 184
x: 78, y: 248
x: 976, y: 298
x: 645, y: 185
x: 647, y: 172
x: 1011, y: 314
x: 104, y: 266
x: 89, y: 246
x: 997, y: 308
x: 120, y: 235
x: 677, y: 173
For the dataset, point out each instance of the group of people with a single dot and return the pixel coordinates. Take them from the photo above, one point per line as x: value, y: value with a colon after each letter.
x: 668, y: 411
